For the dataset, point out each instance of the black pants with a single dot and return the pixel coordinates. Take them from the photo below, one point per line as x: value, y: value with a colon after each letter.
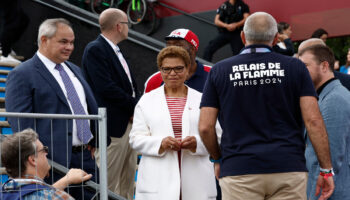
x: 223, y: 38
x: 14, y: 22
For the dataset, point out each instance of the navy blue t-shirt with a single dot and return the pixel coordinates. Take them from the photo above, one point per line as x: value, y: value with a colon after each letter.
x: 258, y: 97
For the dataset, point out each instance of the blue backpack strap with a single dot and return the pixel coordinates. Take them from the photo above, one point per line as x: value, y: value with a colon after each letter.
x: 20, y: 192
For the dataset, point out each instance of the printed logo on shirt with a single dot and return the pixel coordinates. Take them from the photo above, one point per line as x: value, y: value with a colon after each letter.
x: 256, y: 74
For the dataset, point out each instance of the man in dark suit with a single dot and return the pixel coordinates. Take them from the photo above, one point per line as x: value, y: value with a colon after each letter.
x: 48, y: 83
x: 114, y: 87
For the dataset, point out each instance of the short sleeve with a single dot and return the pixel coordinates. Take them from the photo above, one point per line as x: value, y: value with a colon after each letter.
x: 221, y: 9
x: 306, y: 86
x: 245, y: 8
x: 210, y: 95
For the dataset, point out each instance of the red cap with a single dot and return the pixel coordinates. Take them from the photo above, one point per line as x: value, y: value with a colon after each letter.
x: 185, y: 34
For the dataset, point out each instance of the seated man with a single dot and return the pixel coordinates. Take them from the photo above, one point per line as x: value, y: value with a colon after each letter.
x: 27, y: 173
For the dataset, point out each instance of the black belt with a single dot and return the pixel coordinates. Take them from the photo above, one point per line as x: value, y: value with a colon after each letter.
x: 79, y: 148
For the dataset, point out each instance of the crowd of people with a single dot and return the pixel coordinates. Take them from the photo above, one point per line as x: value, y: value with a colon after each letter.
x: 263, y: 124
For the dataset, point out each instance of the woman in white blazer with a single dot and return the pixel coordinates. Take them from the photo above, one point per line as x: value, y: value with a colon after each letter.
x: 171, y: 167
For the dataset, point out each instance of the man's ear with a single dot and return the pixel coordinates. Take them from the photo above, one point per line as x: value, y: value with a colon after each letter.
x: 243, y: 38
x: 275, y: 40
x: 31, y: 160
x: 325, y: 67
x: 43, y: 39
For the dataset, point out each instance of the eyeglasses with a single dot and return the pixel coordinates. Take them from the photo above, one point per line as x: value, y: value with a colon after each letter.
x: 177, y: 69
x: 45, y: 149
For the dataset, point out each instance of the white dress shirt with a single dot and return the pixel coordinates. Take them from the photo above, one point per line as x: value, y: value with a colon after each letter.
x: 77, y: 86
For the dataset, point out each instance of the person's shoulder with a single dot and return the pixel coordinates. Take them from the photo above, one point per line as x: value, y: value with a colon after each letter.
x: 335, y: 96
x: 224, y: 5
x: 153, y: 82
x: 237, y: 59
x: 53, y: 193
x: 290, y: 60
x: 72, y: 65
x: 95, y: 44
x: 207, y: 68
x: 194, y: 93
x: 151, y: 96
x: 242, y: 3
x: 26, y: 66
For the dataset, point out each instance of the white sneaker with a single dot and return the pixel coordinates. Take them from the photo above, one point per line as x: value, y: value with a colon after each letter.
x: 9, y: 60
x: 15, y: 56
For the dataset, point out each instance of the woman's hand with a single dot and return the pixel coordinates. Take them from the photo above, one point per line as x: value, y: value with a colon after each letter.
x: 189, y: 143
x: 170, y: 144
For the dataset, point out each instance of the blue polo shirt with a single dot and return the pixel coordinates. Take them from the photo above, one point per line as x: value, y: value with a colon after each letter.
x: 258, y: 95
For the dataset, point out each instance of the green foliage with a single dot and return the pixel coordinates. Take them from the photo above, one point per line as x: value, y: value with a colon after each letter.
x: 339, y: 45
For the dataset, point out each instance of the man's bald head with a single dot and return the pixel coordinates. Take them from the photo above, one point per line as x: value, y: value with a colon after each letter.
x: 109, y: 18
x: 310, y: 42
x: 259, y: 28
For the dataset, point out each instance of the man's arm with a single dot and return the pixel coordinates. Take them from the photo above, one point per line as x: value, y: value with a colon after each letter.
x: 318, y: 136
x: 19, y: 99
x: 207, y: 131
x: 235, y: 25
x: 219, y: 23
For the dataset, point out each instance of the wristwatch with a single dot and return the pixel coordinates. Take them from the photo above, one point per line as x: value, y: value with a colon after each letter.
x: 214, y: 161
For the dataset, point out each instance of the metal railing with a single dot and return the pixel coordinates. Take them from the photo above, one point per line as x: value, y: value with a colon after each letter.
x: 101, y: 117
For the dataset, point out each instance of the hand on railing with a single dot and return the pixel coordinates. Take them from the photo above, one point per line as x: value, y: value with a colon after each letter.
x: 73, y: 176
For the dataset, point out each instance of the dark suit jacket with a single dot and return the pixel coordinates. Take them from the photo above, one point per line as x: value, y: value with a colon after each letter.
x: 31, y: 88
x: 110, y: 85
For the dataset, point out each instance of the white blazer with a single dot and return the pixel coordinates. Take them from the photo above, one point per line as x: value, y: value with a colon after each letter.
x: 158, y: 174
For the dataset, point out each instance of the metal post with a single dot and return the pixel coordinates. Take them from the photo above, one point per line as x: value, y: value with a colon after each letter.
x: 103, y: 152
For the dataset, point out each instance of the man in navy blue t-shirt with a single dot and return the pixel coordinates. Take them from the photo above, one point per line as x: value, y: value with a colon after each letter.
x: 262, y: 99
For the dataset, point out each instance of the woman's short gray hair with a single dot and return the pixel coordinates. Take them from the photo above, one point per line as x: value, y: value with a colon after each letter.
x: 260, y: 27
x: 49, y: 27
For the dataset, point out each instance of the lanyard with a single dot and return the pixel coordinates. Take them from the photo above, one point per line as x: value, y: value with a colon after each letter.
x: 255, y: 50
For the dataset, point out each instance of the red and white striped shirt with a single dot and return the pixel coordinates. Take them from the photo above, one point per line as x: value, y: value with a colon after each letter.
x: 176, y: 106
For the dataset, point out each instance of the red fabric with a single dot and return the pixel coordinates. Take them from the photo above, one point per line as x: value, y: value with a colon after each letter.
x: 176, y: 106
x: 154, y: 82
x: 207, y: 68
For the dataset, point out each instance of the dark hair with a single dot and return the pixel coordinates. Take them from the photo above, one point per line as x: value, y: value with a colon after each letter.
x: 321, y: 53
x: 282, y: 26
x: 15, y: 150
x: 318, y: 33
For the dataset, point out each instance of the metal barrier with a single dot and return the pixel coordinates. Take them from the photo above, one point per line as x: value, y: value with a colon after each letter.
x: 102, y: 187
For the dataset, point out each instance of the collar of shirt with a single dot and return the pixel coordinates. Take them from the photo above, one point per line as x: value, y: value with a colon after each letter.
x: 114, y: 47
x: 18, y: 182
x: 256, y: 46
x: 319, y: 90
x: 51, y: 65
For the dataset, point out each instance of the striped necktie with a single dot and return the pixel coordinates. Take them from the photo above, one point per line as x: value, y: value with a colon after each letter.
x: 83, y: 128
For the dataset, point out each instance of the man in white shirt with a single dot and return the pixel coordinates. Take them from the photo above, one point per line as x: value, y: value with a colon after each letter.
x: 48, y: 83
x: 114, y: 87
